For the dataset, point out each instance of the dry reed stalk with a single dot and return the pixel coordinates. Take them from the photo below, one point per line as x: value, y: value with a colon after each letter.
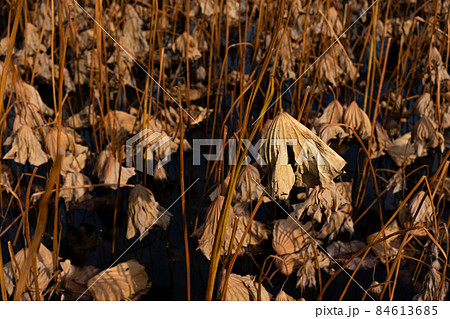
x: 40, y: 227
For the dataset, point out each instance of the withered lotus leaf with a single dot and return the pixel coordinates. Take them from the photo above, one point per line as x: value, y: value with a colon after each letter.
x: 44, y: 269
x: 282, y: 296
x: 144, y: 212
x: 243, y: 288
x: 424, y: 106
x: 193, y: 49
x: 431, y: 284
x: 379, y: 248
x: 26, y: 147
x: 75, y: 194
x: 288, y: 236
x: 339, y: 222
x: 258, y: 232
x: 126, y: 281
x: 402, y: 150
x: 107, y: 169
x: 75, y: 155
x: 426, y: 135
x: 357, y: 119
x: 321, y: 203
x: 313, y: 163
x: 248, y: 185
x: 288, y: 263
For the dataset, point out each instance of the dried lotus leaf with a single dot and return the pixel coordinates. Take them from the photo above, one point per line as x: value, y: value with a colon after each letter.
x: 288, y: 236
x: 26, y: 147
x: 315, y: 163
x: 126, y: 281
x: 282, y: 296
x: 144, y: 212
x: 357, y: 119
x: 243, y: 288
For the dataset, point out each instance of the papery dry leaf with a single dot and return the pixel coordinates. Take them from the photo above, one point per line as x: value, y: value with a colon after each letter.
x: 126, y: 281
x: 424, y: 106
x: 76, y: 283
x: 437, y: 66
x: 288, y: 235
x: 357, y: 119
x: 331, y: 132
x: 26, y: 147
x: 75, y: 194
x: 195, y: 92
x: 315, y: 163
x: 321, y: 203
x: 397, y: 181
x: 282, y: 296
x: 132, y: 32
x: 402, y: 150
x: 431, y: 284
x: 32, y: 109
x: 335, y: 22
x: 419, y: 211
x: 86, y: 63
x: 333, y: 113
x: 120, y: 122
x: 379, y: 248
x: 5, y: 177
x: 44, y: 269
x: 243, y: 288
x: 342, y: 251
x: 426, y: 135
x: 394, y: 103
x: 107, y: 169
x: 218, y: 190
x: 257, y: 233
x: 380, y: 142
x: 85, y: 118
x: 248, y: 185
x: 288, y: 263
x: 75, y: 155
x: 338, y: 222
x: 201, y: 73
x: 335, y: 68
x: 306, y: 274
x: 193, y: 50
x: 32, y: 39
x: 144, y: 212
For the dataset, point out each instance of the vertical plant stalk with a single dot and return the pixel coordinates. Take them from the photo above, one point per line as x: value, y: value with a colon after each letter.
x: 226, y: 207
x: 40, y: 227
x: 4, y: 76
x: 372, y: 54
x: 183, y: 209
x: 2, y: 277
x: 62, y: 58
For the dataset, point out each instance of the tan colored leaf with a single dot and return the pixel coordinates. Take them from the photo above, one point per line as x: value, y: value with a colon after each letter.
x: 193, y: 50
x: 258, y: 232
x: 26, y: 147
x: 107, y: 169
x: 243, y: 288
x: 357, y: 119
x: 145, y: 212
x: 282, y: 296
x: 44, y: 269
x: 288, y: 236
x: 402, y: 150
x: 315, y: 163
x: 75, y: 194
x: 126, y: 281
